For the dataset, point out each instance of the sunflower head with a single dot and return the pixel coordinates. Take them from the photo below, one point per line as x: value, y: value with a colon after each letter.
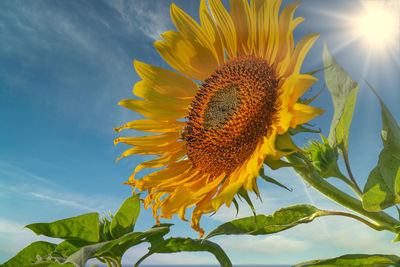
x: 214, y: 136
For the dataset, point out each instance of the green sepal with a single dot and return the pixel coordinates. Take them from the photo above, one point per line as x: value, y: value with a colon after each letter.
x: 243, y: 193
x: 277, y: 164
x: 272, y: 180
x: 236, y: 204
x: 302, y: 129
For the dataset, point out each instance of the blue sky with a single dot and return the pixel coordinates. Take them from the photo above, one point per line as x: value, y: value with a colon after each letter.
x: 66, y: 64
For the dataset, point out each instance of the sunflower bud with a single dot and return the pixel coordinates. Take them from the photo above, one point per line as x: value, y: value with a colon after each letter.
x: 324, y: 158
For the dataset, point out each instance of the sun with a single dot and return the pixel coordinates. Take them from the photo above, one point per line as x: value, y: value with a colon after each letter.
x: 378, y: 23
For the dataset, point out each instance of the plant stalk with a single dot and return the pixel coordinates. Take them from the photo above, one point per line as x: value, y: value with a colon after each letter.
x: 310, y: 175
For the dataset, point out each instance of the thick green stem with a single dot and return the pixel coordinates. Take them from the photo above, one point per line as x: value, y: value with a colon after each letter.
x: 309, y: 174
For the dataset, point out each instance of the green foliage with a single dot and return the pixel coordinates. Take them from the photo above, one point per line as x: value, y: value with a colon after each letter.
x: 344, y: 94
x: 84, y: 227
x: 382, y: 189
x: 177, y: 244
x: 81, y: 240
x: 125, y: 218
x: 355, y: 260
x: 281, y: 220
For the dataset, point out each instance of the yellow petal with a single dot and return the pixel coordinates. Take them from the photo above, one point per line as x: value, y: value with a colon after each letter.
x: 226, y: 27
x: 259, y: 14
x: 189, y: 28
x: 301, y: 83
x: 149, y: 140
x: 286, y: 33
x: 153, y: 126
x: 242, y: 19
x: 186, y: 56
x: 300, y: 53
x: 153, y: 110
x: 304, y: 113
x: 176, y: 169
x: 161, y: 161
x: 272, y: 28
x: 166, y: 82
x: 144, y: 90
x: 209, y: 27
x: 139, y: 150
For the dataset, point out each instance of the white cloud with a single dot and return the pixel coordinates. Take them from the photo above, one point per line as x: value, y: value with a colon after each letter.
x: 270, y: 244
x: 151, y: 20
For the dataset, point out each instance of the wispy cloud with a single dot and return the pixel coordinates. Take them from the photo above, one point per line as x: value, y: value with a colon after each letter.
x: 16, y: 172
x: 64, y: 202
x: 149, y: 17
x: 26, y: 184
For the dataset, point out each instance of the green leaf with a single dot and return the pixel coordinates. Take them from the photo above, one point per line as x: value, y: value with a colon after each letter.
x: 344, y: 94
x: 30, y: 254
x: 282, y: 219
x: 84, y: 227
x: 390, y: 129
x: 382, y: 189
x: 124, y: 220
x: 351, y: 260
x: 177, y: 244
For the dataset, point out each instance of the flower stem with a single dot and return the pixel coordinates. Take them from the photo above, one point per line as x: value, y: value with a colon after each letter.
x: 358, y: 218
x: 309, y: 174
x: 346, y: 162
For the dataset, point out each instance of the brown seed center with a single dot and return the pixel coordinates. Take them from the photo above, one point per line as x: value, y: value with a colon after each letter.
x: 232, y: 111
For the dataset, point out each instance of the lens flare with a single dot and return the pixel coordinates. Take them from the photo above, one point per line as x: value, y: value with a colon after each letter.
x: 378, y: 24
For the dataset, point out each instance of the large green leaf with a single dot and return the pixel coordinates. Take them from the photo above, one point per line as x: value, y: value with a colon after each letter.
x: 382, y: 189
x: 344, y: 94
x: 177, y: 244
x: 355, y: 260
x: 30, y: 254
x: 124, y: 220
x: 84, y: 227
x: 114, y: 248
x: 282, y: 219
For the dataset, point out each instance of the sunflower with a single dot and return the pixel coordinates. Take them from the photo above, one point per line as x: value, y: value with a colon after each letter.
x: 221, y: 115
